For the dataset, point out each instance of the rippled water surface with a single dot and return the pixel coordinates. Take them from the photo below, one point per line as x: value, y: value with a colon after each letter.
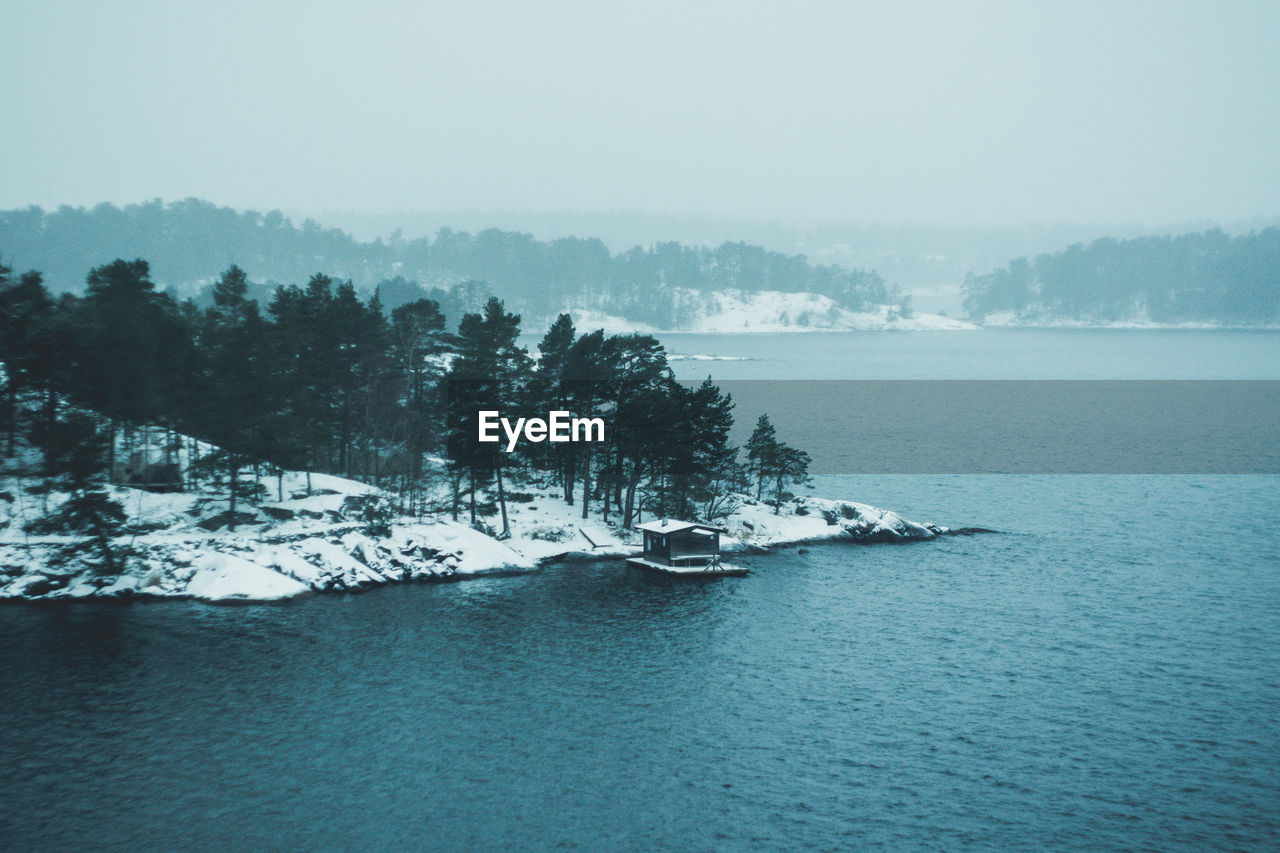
x: 1104, y: 674
x: 980, y: 354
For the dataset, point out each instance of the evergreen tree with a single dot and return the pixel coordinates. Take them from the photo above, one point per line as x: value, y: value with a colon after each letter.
x: 702, y: 456
x: 25, y: 309
x: 239, y: 400
x: 555, y: 345
x: 586, y: 369
x: 127, y: 341
x: 790, y: 466
x: 418, y: 339
x: 762, y: 451
x: 488, y: 374
x: 325, y: 382
x: 637, y: 368
x: 77, y: 463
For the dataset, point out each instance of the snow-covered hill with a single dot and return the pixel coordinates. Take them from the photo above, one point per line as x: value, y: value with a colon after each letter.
x: 734, y: 311
x: 775, y: 311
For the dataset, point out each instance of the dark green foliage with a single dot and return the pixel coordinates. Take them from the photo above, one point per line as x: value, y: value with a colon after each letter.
x: 76, y: 452
x: 129, y: 341
x: 191, y: 241
x: 488, y: 373
x: 76, y: 459
x: 331, y: 352
x: 374, y: 511
x: 92, y: 511
x: 26, y: 339
x: 1194, y: 277
x: 775, y: 463
x: 323, y: 381
x: 229, y: 471
x: 417, y: 339
x: 790, y: 466
x: 762, y: 451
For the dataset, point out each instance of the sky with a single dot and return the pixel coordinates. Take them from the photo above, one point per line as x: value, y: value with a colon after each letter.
x: 935, y: 113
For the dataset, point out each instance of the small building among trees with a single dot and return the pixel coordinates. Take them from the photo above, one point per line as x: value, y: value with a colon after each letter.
x: 141, y: 472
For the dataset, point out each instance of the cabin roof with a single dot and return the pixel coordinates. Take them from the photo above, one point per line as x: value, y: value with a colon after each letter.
x: 672, y: 526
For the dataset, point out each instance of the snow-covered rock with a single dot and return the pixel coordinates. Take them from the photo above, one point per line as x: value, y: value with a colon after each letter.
x: 755, y: 525
x: 314, y: 547
x: 220, y: 577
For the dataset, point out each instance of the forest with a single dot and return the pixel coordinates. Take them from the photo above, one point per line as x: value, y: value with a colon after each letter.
x: 321, y: 380
x: 188, y: 244
x: 1199, y: 277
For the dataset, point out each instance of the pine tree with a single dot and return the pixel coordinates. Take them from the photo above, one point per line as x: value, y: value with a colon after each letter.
x: 77, y: 463
x: 762, y: 451
x: 636, y: 366
x: 239, y: 398
x: 586, y: 369
x: 25, y: 309
x: 417, y: 339
x: 555, y: 344
x: 546, y: 392
x: 126, y: 341
x: 790, y: 465
x: 489, y: 374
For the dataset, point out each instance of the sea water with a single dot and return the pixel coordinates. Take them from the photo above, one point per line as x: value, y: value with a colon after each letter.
x: 1103, y: 673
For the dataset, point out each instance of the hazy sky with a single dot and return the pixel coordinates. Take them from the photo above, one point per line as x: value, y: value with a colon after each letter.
x: 878, y: 112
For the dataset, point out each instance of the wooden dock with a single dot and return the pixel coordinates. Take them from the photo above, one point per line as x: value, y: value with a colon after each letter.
x: 715, y: 569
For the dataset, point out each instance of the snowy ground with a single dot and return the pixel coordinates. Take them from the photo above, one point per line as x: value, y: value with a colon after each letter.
x: 775, y: 311
x: 308, y: 543
x: 771, y: 311
x: 733, y: 311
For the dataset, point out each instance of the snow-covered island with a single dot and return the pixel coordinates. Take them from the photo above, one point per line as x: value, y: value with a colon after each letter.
x: 180, y: 546
x: 772, y: 311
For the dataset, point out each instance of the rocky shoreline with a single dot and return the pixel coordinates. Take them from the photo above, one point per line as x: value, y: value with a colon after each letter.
x: 180, y: 545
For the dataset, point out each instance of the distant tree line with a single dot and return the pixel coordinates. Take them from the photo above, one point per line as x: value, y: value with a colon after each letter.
x: 1207, y: 277
x: 190, y: 242
x: 323, y: 380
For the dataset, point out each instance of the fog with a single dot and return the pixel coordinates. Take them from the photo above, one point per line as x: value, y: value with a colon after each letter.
x: 895, y: 113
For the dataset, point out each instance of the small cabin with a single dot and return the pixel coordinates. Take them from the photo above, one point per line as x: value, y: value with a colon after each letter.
x: 141, y: 472
x: 680, y: 543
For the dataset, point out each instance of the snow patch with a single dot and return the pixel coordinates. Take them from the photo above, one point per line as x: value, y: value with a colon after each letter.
x: 771, y: 311
x: 775, y: 311
x: 223, y: 577
x: 309, y: 544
